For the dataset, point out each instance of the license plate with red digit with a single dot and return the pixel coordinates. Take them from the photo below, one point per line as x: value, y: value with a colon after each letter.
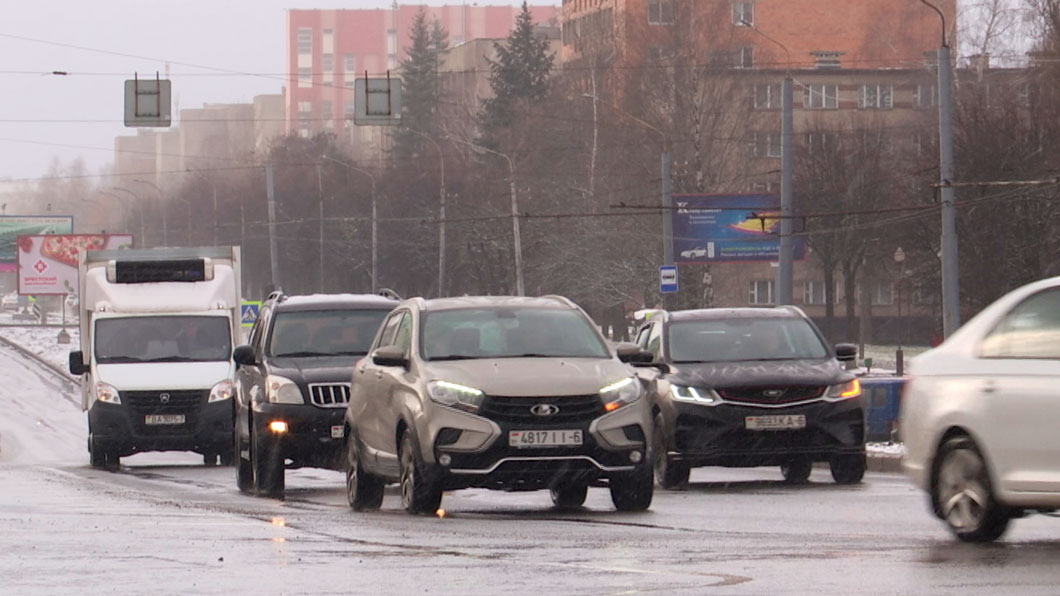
x: 545, y: 438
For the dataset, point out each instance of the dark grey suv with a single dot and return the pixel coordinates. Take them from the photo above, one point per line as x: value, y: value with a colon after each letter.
x: 293, y: 384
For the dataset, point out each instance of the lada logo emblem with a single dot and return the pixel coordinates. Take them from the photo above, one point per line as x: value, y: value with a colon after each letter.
x: 544, y: 410
x: 773, y: 393
x: 163, y: 397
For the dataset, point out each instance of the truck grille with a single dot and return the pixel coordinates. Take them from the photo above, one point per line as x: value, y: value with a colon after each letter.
x: 772, y: 395
x: 569, y: 409
x: 329, y: 395
x: 144, y: 403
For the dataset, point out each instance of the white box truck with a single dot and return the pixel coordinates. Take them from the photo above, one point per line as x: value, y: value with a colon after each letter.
x: 157, y: 331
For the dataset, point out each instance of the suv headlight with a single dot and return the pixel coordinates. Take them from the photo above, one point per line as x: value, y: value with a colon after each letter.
x: 281, y: 390
x: 454, y: 395
x: 107, y: 393
x: 843, y: 390
x: 221, y: 391
x: 696, y: 395
x: 620, y: 393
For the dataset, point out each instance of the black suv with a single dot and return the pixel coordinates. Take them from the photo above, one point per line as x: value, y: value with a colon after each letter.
x: 744, y: 387
x: 293, y: 383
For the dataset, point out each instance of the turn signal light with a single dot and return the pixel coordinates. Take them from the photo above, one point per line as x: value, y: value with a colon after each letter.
x: 612, y: 406
x: 853, y: 389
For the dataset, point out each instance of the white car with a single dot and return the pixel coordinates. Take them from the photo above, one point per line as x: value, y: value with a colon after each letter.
x: 10, y: 301
x: 694, y: 253
x: 980, y: 415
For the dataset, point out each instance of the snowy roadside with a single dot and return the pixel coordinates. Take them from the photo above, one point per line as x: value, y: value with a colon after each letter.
x: 43, y: 342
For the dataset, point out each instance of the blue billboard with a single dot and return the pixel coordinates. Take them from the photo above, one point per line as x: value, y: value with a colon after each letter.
x: 727, y: 228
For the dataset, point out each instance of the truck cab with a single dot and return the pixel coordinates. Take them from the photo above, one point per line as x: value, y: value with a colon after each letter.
x: 158, y: 328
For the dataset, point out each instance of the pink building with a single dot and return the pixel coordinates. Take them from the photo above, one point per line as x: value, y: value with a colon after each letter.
x: 328, y: 49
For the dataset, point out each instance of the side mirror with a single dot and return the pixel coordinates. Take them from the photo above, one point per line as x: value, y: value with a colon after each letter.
x: 846, y: 352
x: 244, y: 356
x: 77, y: 363
x: 390, y: 356
x: 632, y: 354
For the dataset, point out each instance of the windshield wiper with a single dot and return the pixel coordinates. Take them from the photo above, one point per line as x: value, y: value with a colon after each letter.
x: 300, y: 354
x: 120, y: 359
x: 172, y: 359
x: 534, y: 355
x: 453, y: 357
x: 345, y: 353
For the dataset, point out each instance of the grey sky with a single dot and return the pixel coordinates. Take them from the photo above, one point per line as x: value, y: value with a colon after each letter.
x: 45, y: 116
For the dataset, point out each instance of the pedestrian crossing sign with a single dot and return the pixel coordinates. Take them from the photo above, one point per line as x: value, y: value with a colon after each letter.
x: 250, y: 312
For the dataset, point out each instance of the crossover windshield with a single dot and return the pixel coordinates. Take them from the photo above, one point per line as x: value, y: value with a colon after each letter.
x: 509, y: 333
x: 163, y: 339
x: 739, y: 339
x: 324, y: 332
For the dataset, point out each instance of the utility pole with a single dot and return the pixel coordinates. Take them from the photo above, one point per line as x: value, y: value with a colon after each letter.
x: 320, y: 203
x: 273, y: 258
x: 951, y: 304
x: 785, y: 266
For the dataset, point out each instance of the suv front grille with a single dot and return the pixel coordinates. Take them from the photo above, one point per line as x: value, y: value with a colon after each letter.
x: 329, y: 395
x: 567, y: 409
x: 163, y: 402
x: 772, y: 395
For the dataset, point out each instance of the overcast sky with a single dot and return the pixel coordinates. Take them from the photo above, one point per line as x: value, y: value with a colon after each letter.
x: 103, y: 42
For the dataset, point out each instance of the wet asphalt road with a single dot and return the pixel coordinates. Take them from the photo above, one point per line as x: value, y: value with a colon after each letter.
x: 165, y: 524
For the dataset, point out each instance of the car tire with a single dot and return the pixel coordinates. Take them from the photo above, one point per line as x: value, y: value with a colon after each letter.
x: 209, y: 459
x: 99, y: 457
x: 848, y: 469
x: 421, y: 493
x: 244, y: 470
x: 569, y: 496
x: 268, y: 465
x: 227, y: 457
x: 633, y: 491
x: 796, y: 471
x: 962, y: 494
x: 669, y: 474
x: 364, y: 492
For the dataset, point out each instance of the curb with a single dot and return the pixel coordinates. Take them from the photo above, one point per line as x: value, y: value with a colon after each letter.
x: 885, y: 463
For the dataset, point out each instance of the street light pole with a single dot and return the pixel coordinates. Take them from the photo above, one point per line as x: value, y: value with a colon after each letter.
x: 320, y: 218
x: 516, y: 237
x: 139, y: 207
x: 161, y: 207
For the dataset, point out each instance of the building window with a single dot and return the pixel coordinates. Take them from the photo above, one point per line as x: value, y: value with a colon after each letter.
x: 813, y: 293
x: 766, y: 144
x: 328, y: 61
x: 876, y: 97
x: 761, y: 292
x: 305, y: 40
x: 883, y: 294
x: 350, y: 108
x: 817, y: 142
x: 305, y: 77
x: 764, y: 187
x: 820, y: 97
x: 305, y: 109
x: 745, y: 57
x: 925, y: 97
x: 349, y: 63
x: 743, y: 14
x: 304, y: 129
x: 327, y: 41
x: 660, y: 53
x: 660, y: 12
x: 767, y: 97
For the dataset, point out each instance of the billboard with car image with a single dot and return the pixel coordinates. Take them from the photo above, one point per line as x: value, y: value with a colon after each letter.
x: 727, y: 228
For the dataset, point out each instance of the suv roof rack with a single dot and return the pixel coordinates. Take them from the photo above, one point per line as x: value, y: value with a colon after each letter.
x: 563, y: 299
x: 388, y: 293
x: 277, y: 295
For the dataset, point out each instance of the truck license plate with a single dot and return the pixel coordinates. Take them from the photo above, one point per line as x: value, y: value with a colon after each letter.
x: 155, y: 419
x: 545, y: 438
x: 791, y: 421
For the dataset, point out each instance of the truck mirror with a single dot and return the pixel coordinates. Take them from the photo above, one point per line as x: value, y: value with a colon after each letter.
x: 244, y: 356
x: 77, y: 363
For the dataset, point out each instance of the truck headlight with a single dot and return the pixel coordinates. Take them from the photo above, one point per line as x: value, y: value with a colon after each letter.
x: 281, y: 390
x: 843, y: 391
x: 221, y: 391
x: 696, y: 395
x: 620, y: 393
x: 454, y: 395
x: 107, y: 393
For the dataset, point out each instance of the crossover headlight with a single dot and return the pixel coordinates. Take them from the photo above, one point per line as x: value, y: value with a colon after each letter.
x: 222, y: 391
x: 620, y: 393
x: 281, y: 390
x: 455, y: 395
x: 696, y: 395
x: 107, y: 393
x: 843, y: 390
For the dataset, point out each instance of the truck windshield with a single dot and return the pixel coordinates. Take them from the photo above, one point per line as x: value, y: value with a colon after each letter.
x: 324, y: 332
x: 163, y: 339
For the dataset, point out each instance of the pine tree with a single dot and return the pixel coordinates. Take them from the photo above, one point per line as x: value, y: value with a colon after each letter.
x: 520, y: 74
x: 420, y: 89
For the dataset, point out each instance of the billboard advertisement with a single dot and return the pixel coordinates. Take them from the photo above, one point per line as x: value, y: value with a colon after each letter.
x: 13, y: 226
x: 48, y: 264
x: 728, y: 228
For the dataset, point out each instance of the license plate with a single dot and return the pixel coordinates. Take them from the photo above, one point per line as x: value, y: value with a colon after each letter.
x: 164, y: 419
x: 775, y: 422
x: 544, y: 438
x: 336, y: 432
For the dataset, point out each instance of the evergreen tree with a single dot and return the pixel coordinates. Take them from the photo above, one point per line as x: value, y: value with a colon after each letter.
x: 420, y: 92
x: 519, y: 75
